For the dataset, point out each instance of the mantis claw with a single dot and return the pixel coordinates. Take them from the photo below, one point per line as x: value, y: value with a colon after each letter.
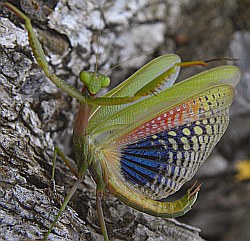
x: 194, y: 189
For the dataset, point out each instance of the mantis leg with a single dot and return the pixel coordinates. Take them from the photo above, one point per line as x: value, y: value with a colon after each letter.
x: 84, y: 167
x: 99, y: 194
x: 73, y: 92
x: 101, y: 181
x: 62, y: 208
x: 40, y: 56
x: 72, y: 191
x: 148, y: 89
x: 66, y: 161
x: 161, y: 79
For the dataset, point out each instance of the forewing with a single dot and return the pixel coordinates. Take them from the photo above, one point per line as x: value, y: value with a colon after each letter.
x: 134, y: 83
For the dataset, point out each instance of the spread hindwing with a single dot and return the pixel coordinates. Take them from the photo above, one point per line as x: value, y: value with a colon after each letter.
x: 159, y: 156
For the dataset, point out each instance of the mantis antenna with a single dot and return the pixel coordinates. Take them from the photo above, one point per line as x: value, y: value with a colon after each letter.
x: 98, y: 45
x: 128, y: 59
x: 99, y: 35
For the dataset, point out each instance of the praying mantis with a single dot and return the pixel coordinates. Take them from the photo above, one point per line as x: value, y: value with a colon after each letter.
x: 147, y: 137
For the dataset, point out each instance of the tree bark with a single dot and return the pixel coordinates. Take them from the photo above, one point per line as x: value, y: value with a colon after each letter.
x: 36, y: 116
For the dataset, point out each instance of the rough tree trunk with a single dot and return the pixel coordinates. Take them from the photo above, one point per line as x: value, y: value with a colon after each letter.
x: 36, y: 116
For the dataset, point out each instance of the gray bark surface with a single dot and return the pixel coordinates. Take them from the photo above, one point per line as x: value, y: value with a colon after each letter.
x: 36, y: 116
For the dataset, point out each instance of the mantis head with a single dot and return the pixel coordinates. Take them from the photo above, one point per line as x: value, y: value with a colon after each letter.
x: 94, y: 81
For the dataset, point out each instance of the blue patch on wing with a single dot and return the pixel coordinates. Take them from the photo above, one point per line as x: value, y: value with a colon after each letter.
x: 162, y: 159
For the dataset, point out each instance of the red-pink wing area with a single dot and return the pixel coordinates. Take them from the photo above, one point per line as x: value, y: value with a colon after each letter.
x: 178, y: 115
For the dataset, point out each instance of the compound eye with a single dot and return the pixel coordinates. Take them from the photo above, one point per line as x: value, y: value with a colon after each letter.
x: 105, y: 82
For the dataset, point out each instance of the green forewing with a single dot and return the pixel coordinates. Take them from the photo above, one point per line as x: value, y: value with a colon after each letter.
x: 134, y: 83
